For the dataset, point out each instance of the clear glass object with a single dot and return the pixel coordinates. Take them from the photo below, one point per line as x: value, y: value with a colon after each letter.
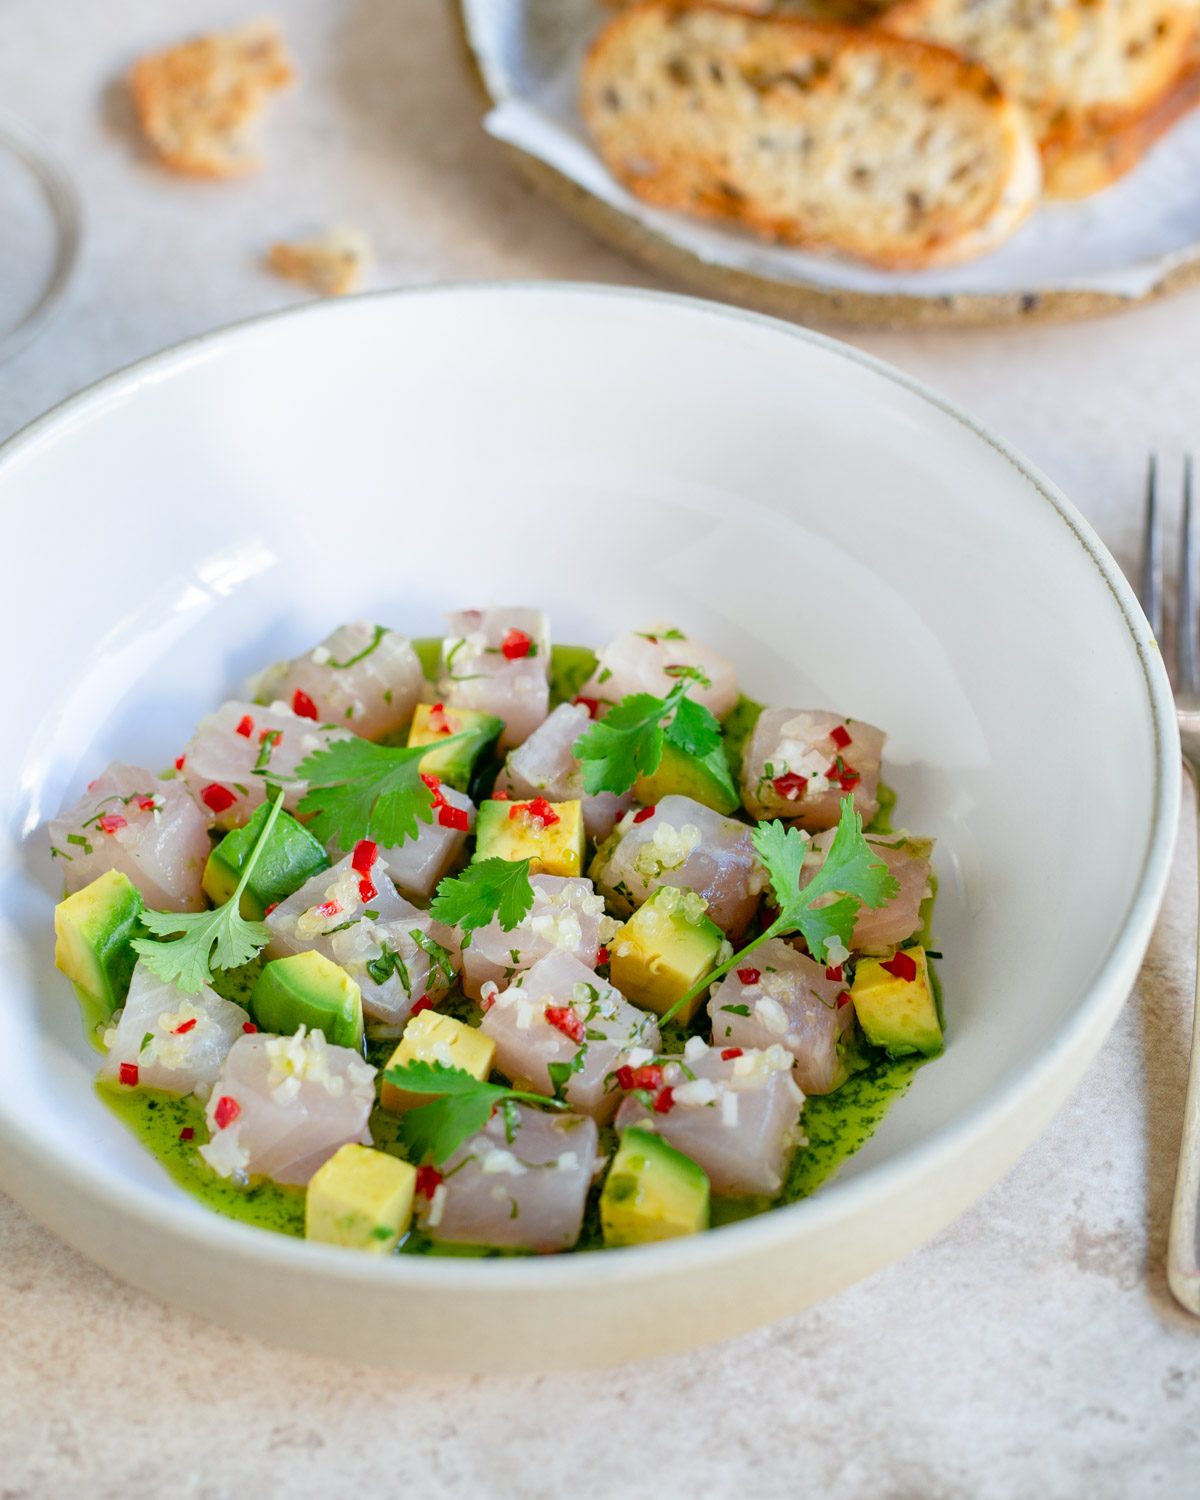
x: 39, y: 234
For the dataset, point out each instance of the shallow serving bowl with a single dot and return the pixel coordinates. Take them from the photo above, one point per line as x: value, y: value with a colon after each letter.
x: 848, y: 538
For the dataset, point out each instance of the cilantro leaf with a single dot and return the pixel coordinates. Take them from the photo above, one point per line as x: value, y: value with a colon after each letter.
x: 485, y: 890
x: 693, y: 729
x: 628, y: 741
x: 460, y: 1106
x: 782, y: 851
x: 852, y: 867
x: 357, y: 790
x: 206, y: 940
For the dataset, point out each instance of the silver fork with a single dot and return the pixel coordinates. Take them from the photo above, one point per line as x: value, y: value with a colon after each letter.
x: 1183, y: 1243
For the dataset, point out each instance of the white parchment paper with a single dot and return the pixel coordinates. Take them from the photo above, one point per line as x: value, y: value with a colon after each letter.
x: 1122, y: 240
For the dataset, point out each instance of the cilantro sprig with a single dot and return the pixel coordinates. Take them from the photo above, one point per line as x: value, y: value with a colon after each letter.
x: 852, y: 874
x: 459, y: 1107
x: 485, y: 890
x: 357, y: 790
x: 199, y: 942
x: 628, y: 741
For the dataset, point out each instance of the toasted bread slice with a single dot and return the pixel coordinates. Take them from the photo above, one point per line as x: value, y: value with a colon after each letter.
x: 894, y: 152
x: 195, y: 102
x: 330, y: 263
x: 1100, y: 79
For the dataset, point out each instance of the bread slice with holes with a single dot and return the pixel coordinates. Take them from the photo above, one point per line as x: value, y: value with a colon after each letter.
x: 890, y: 151
x: 1100, y: 79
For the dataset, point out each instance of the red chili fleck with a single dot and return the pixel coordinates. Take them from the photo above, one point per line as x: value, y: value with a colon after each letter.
x: 217, y: 798
x: 434, y: 783
x: 128, y: 1073
x: 111, y: 822
x: 840, y: 737
x: 439, y: 720
x: 564, y: 1019
x: 645, y: 812
x: 902, y: 965
x: 424, y: 1003
x: 591, y: 704
x: 245, y: 726
x: 270, y: 908
x: 601, y: 955
x: 147, y: 804
x: 226, y: 1111
x: 790, y: 786
x: 187, y: 1133
x: 730, y: 1053
x: 625, y: 1076
x: 329, y: 908
x: 365, y: 852
x: 648, y: 1077
x: 833, y: 972
x: 180, y: 762
x: 429, y: 1179
x: 366, y: 890
x: 303, y: 705
x: 185, y: 1026
x: 664, y: 1100
x: 844, y: 999
x: 249, y: 1027
x: 515, y: 645
x: 749, y: 976
x: 92, y: 785
x: 539, y: 808
x: 500, y: 796
x: 454, y: 817
x: 486, y: 1000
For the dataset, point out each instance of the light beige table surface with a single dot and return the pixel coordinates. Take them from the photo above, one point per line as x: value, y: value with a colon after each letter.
x: 1030, y: 1350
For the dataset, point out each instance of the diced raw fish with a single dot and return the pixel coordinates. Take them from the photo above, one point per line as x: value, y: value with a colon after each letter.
x: 176, y: 1042
x: 640, y: 660
x: 791, y: 1002
x: 149, y: 829
x: 880, y: 929
x: 282, y: 1106
x: 682, y: 843
x: 353, y: 914
x: 363, y: 676
x: 236, y: 751
x: 418, y: 864
x: 799, y: 764
x: 566, y: 916
x: 738, y: 1117
x: 545, y: 766
x: 558, y: 1012
x: 497, y: 661
x: 525, y: 1193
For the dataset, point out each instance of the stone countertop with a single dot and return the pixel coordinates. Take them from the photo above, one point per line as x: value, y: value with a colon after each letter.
x: 1030, y: 1348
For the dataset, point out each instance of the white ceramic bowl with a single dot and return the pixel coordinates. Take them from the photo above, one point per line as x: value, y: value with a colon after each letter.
x: 847, y: 537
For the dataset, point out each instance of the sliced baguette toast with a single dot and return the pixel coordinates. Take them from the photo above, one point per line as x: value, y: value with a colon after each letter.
x: 891, y: 151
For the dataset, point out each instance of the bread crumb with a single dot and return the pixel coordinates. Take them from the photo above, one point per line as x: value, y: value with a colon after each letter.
x: 196, y: 101
x: 330, y: 264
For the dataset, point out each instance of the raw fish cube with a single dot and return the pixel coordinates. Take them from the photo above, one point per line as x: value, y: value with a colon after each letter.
x: 149, y: 829
x: 737, y: 1117
x: 497, y: 661
x: 282, y: 1106
x: 418, y: 864
x: 682, y: 843
x: 792, y: 1003
x: 522, y: 1182
x: 545, y: 766
x: 176, y: 1042
x: 800, y: 763
x: 880, y: 929
x: 640, y: 661
x: 558, y: 1015
x: 363, y: 676
x: 566, y: 916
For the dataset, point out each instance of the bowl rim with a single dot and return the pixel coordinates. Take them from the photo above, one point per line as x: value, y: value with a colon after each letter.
x: 838, y: 1201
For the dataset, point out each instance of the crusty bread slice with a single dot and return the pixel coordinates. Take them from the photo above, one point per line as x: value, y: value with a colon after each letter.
x: 894, y: 152
x: 1100, y: 79
x: 330, y: 263
x: 196, y: 101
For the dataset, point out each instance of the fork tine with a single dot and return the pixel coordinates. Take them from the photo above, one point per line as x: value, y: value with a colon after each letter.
x: 1188, y: 652
x: 1151, y: 589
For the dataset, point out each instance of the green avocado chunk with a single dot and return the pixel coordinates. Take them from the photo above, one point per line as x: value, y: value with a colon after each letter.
x: 652, y: 1192
x: 292, y: 855
x: 457, y: 764
x: 94, y: 931
x: 664, y: 949
x: 703, y: 778
x: 308, y: 989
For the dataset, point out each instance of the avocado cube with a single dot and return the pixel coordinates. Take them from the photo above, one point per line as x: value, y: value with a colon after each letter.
x: 704, y: 778
x: 895, y: 1004
x: 665, y: 948
x: 652, y: 1192
x: 291, y: 856
x: 433, y: 1038
x: 360, y: 1198
x: 455, y: 764
x: 308, y: 989
x: 94, y: 931
x: 548, y: 834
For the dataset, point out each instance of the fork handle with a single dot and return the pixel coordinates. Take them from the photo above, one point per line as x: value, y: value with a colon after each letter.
x: 1183, y: 1243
